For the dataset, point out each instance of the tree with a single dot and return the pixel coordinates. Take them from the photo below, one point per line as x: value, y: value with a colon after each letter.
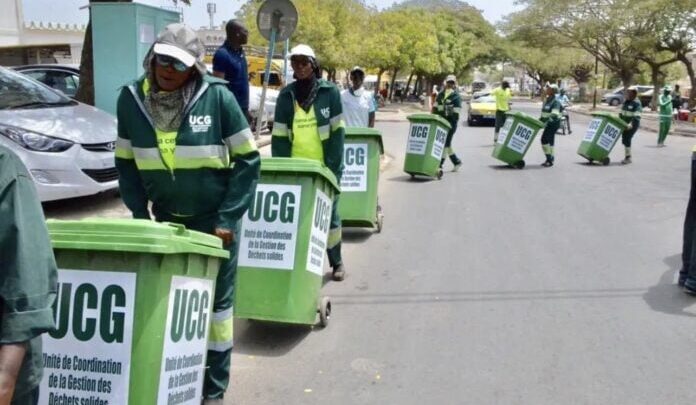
x: 85, y: 90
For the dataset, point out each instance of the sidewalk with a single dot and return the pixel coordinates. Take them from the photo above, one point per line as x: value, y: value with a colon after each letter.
x: 397, y: 112
x: 649, y: 120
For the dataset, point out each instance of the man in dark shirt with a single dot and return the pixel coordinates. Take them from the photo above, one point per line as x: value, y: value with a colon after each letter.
x: 230, y: 63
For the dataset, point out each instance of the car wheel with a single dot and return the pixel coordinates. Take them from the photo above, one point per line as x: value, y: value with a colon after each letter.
x: 614, y: 102
x: 469, y: 122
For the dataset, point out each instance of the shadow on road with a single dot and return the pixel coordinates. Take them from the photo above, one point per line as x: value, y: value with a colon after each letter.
x: 666, y: 296
x: 267, y: 339
x: 408, y: 179
x: 529, y: 166
x: 595, y: 164
x: 356, y: 235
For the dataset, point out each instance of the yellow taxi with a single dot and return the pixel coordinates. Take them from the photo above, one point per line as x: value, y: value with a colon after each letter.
x: 481, y: 110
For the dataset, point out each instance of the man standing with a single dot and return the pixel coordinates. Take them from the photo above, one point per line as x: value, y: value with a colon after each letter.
x: 230, y: 63
x: 502, y: 95
x: 27, y: 283
x: 687, y: 274
x: 358, y: 103
x: 184, y: 146
x: 630, y: 114
x: 551, y: 117
x: 448, y: 105
x: 664, y: 102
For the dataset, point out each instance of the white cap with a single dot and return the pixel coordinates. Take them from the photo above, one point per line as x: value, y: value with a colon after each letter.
x: 302, y: 50
x: 451, y: 78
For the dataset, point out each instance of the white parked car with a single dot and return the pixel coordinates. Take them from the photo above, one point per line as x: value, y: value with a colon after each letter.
x: 68, y: 147
x: 269, y: 105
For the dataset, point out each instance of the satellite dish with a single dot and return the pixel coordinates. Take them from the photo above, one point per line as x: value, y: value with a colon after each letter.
x: 278, y: 14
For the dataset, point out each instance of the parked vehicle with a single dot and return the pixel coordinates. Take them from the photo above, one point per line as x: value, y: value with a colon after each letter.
x: 63, y: 77
x: 481, y: 110
x: 67, y: 147
x: 616, y: 96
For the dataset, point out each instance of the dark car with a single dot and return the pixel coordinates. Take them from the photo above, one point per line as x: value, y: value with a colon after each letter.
x: 63, y: 77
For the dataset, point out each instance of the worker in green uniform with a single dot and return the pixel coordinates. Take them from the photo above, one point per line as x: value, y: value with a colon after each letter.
x: 664, y: 101
x: 309, y: 124
x: 448, y: 105
x: 502, y: 96
x: 185, y: 146
x: 551, y: 116
x: 27, y: 283
x: 630, y: 113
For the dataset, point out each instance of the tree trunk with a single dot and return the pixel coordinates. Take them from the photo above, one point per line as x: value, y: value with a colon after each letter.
x: 692, y: 78
x: 582, y: 91
x: 656, y: 81
x: 391, y: 85
x: 408, y: 84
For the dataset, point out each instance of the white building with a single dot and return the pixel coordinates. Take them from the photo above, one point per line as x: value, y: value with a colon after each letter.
x: 36, y: 42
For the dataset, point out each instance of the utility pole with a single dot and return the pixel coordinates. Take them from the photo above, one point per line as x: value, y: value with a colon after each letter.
x: 212, y: 9
x: 596, y: 73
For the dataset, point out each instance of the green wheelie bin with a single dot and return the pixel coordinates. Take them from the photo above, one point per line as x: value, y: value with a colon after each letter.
x: 132, y: 312
x: 282, y: 244
x: 426, y: 144
x: 515, y: 138
x: 604, y: 131
x: 359, y: 202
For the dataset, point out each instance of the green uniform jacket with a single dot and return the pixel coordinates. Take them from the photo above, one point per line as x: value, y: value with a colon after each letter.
x: 329, y: 112
x: 213, y: 135
x: 630, y: 112
x: 27, y: 268
x: 665, y: 102
x: 448, y: 108
x: 551, y: 110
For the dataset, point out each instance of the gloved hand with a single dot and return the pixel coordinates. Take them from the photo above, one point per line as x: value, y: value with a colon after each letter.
x: 226, y: 235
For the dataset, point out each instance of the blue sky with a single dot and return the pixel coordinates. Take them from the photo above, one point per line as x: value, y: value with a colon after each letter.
x: 67, y: 11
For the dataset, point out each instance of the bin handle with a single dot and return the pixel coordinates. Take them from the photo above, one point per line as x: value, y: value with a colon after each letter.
x: 180, y: 229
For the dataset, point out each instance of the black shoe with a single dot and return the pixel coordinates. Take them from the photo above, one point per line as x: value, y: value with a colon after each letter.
x: 682, y: 279
x: 691, y: 290
x: 339, y: 273
x: 548, y: 163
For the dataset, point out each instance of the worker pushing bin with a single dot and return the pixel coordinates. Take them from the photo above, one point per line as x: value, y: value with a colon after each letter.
x: 604, y: 131
x: 132, y: 312
x: 282, y: 244
x: 426, y: 144
x: 359, y: 203
x: 515, y: 138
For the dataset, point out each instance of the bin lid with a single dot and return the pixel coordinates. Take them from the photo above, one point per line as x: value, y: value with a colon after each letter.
x: 132, y: 235
x: 611, y: 117
x: 366, y: 133
x: 429, y: 117
x: 297, y: 165
x: 528, y: 119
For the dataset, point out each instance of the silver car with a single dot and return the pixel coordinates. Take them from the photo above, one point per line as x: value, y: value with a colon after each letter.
x: 68, y: 147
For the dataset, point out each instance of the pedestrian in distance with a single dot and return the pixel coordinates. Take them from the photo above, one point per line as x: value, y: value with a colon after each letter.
x: 676, y: 100
x: 565, y: 103
x: 502, y: 96
x: 309, y: 124
x: 551, y: 116
x: 664, y: 102
x: 28, y: 288
x: 358, y: 104
x: 687, y: 274
x: 448, y: 105
x: 631, y: 111
x: 230, y: 63
x: 184, y: 146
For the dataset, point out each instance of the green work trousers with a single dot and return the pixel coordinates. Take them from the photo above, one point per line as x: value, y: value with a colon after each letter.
x: 665, y: 125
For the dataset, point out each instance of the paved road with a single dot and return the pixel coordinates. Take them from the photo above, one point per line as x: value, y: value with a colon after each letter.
x: 496, y: 286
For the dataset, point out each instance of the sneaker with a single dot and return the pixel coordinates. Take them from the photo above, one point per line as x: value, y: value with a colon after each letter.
x: 690, y: 289
x: 548, y: 163
x: 457, y: 166
x: 626, y: 161
x: 339, y: 273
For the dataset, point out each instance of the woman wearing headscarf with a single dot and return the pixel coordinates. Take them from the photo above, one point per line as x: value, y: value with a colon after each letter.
x: 309, y: 124
x: 185, y: 147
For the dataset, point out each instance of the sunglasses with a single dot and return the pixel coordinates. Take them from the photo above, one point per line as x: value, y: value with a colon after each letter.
x: 166, y: 61
x: 300, y: 61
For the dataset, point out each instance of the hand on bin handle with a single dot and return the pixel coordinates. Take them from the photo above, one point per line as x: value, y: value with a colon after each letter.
x: 226, y: 235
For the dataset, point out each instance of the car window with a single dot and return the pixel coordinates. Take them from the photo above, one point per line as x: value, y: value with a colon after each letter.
x: 63, y: 81
x: 273, y: 80
x: 18, y: 90
x: 37, y: 75
x: 484, y: 99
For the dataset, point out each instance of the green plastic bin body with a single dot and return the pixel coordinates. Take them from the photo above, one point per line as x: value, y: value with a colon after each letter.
x: 602, y: 134
x: 515, y: 138
x: 282, y: 242
x: 358, y: 205
x: 426, y: 144
x: 133, y: 310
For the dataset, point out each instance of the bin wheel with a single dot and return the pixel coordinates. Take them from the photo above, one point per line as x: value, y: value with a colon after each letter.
x: 413, y: 176
x: 439, y: 174
x: 519, y: 165
x: 380, y: 222
x: 606, y: 161
x: 324, y: 312
x: 590, y: 161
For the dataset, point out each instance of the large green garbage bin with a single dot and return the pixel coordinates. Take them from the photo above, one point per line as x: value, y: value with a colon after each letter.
x: 132, y: 312
x: 359, y: 203
x: 515, y: 138
x: 604, y: 131
x: 283, y: 241
x: 426, y: 144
